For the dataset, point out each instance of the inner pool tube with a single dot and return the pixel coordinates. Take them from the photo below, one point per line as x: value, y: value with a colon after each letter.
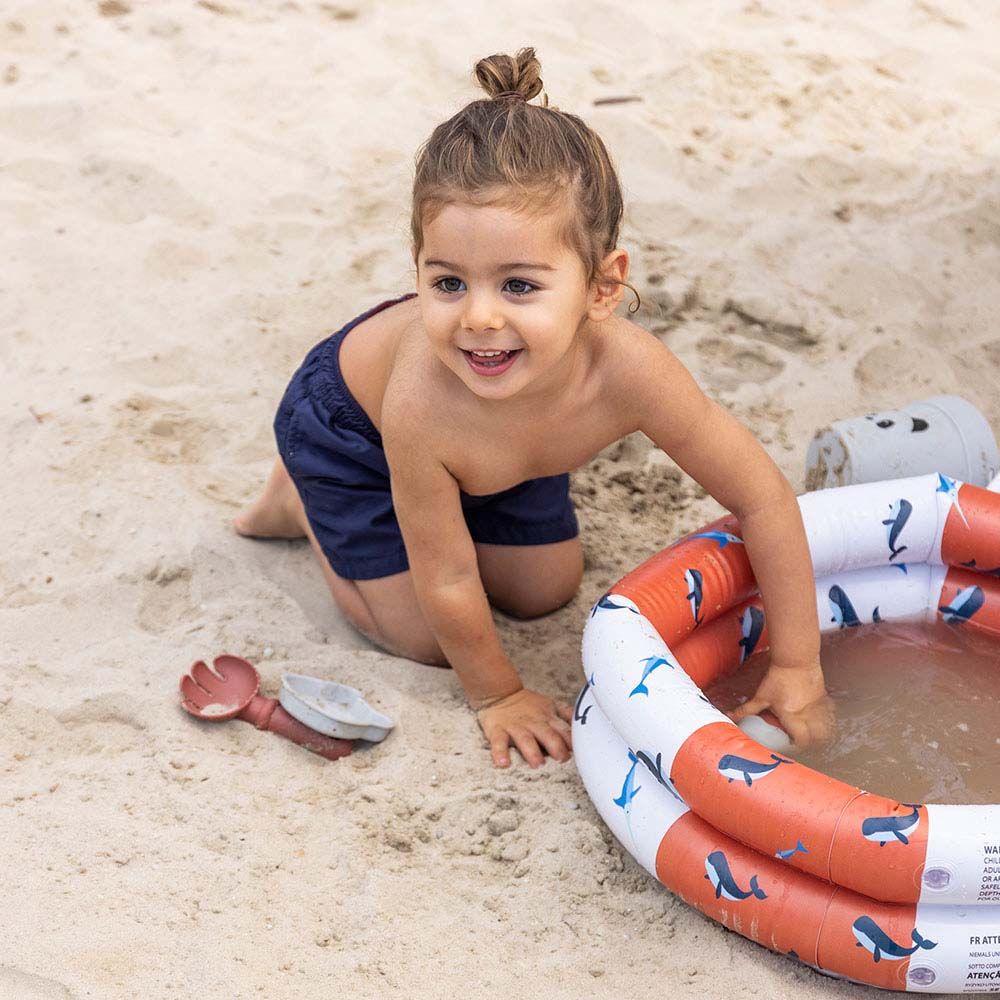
x: 904, y: 896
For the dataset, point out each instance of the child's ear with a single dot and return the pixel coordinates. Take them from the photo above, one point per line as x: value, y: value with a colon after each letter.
x: 606, y: 294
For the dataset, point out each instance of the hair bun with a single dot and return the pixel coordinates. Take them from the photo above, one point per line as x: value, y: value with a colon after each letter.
x: 510, y: 76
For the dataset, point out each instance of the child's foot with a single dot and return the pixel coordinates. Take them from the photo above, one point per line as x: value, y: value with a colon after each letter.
x: 278, y: 513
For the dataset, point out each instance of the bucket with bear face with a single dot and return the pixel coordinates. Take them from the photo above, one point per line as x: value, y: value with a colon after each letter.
x: 945, y: 434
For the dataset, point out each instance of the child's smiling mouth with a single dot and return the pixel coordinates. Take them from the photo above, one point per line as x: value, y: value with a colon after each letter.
x: 491, y: 362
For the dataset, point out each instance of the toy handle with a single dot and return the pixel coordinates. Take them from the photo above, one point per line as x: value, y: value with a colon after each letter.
x: 267, y: 713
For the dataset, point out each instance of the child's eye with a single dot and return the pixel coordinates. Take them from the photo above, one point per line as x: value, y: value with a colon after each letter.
x: 520, y: 281
x: 440, y: 285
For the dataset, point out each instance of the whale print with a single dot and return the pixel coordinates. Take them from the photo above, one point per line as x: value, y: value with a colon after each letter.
x: 799, y: 848
x: 752, y: 626
x: 963, y: 605
x: 629, y: 788
x: 883, y: 829
x: 656, y: 769
x: 971, y: 564
x: 899, y: 514
x: 843, y: 611
x: 949, y: 487
x: 718, y: 873
x: 722, y: 537
x: 872, y: 938
x: 652, y: 662
x: 606, y: 604
x: 579, y: 716
x: 734, y: 767
x: 693, y: 579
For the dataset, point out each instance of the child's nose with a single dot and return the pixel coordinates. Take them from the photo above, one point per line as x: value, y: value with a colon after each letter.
x: 482, y: 313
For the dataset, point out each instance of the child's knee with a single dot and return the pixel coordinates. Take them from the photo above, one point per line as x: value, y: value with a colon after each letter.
x: 542, y: 600
x: 417, y: 644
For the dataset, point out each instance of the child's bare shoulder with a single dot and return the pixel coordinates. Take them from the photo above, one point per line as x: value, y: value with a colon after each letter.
x: 415, y: 390
x: 631, y: 355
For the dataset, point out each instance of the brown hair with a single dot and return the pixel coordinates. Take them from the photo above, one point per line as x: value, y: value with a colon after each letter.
x: 533, y: 158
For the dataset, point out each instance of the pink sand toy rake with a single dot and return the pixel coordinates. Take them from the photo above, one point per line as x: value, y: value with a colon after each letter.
x: 230, y: 691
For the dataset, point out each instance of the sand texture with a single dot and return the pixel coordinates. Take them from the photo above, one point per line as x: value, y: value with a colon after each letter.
x: 194, y: 193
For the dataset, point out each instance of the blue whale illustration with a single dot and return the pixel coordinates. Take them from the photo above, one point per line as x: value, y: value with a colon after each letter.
x: 656, y: 769
x: 971, y: 564
x: 843, y: 611
x: 799, y: 848
x: 734, y: 767
x: 900, y: 514
x: 963, y: 605
x: 882, y: 829
x: 871, y: 937
x: 718, y: 873
x: 752, y: 626
x: 722, y: 537
x: 606, y: 604
x: 949, y: 487
x: 629, y: 788
x: 579, y: 716
x: 652, y: 662
x: 693, y: 580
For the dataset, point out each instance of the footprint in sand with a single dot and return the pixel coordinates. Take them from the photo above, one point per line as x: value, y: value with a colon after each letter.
x: 791, y: 337
x: 112, y: 707
x: 128, y: 191
x: 896, y: 372
x: 167, y: 603
x: 25, y: 986
x: 165, y: 431
x: 729, y: 363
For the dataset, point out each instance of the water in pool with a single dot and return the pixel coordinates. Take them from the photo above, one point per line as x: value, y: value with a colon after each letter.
x: 918, y: 710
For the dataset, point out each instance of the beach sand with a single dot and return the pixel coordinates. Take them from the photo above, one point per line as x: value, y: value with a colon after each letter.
x: 194, y: 193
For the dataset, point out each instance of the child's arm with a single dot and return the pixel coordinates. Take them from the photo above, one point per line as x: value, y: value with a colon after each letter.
x: 722, y: 455
x: 450, y: 592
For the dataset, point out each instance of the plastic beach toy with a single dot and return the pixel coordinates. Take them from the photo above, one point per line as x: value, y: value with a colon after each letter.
x: 333, y: 709
x: 230, y: 692
x: 904, y: 896
x: 942, y: 434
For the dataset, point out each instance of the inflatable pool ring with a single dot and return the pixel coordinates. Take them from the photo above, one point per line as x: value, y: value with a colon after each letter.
x: 904, y: 896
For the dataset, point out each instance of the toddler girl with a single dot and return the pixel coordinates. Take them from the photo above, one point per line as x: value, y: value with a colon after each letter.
x: 424, y: 447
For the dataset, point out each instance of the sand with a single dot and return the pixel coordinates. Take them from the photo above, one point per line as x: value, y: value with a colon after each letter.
x: 191, y: 195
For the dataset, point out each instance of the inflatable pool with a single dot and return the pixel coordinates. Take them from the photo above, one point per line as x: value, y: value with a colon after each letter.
x: 904, y: 896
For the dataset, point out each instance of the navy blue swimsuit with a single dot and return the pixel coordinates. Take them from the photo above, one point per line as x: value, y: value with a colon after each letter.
x: 334, y: 455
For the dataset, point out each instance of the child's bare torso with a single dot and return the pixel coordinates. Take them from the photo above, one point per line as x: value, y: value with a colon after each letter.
x: 489, y: 447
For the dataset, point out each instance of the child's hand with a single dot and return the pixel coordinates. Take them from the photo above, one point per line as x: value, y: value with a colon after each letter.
x: 535, y: 724
x: 797, y: 696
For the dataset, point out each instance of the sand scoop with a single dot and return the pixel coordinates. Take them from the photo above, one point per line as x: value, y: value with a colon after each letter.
x: 230, y: 691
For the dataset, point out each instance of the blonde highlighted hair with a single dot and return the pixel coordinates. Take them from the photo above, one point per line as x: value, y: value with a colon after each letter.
x: 533, y: 158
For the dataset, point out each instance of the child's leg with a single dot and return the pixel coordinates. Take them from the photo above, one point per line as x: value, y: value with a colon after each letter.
x: 276, y: 512
x: 526, y: 581
x: 384, y: 610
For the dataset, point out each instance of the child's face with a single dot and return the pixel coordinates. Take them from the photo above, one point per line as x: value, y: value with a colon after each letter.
x: 477, y: 294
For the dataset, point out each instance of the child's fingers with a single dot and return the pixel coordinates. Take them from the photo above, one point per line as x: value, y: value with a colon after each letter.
x: 798, y: 729
x: 500, y: 748
x: 528, y: 746
x: 564, y: 711
x: 752, y: 707
x: 565, y: 730
x: 554, y: 741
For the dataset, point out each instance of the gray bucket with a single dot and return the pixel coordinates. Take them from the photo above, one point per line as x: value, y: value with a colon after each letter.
x: 942, y: 434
